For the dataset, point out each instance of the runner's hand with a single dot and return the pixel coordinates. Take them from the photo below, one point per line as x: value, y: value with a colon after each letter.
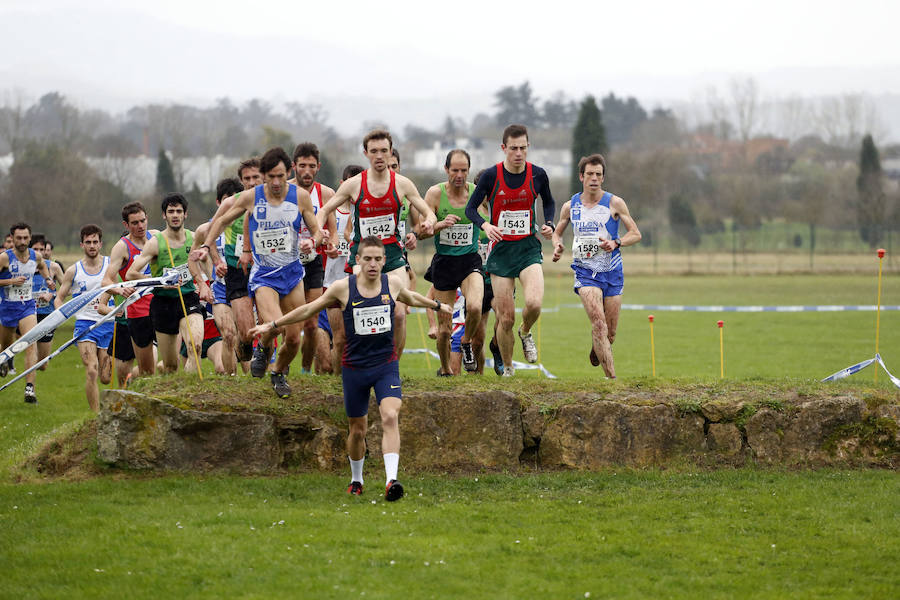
x: 411, y: 241
x: 199, y: 254
x: 222, y: 268
x: 557, y: 251
x: 493, y: 232
x: 205, y: 292
x: 245, y: 261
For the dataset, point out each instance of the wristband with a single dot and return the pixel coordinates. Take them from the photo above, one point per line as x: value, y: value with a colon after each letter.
x: 204, y: 246
x: 550, y: 224
x: 618, y: 242
x: 247, y: 251
x: 437, y: 305
x: 274, y: 326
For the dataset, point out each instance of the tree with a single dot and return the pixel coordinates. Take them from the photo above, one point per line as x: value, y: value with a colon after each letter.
x: 165, y: 175
x: 683, y: 221
x: 588, y: 137
x: 621, y: 117
x: 516, y: 105
x: 560, y: 111
x: 871, y: 202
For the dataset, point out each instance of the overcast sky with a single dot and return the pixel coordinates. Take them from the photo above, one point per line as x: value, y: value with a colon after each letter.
x: 115, y: 54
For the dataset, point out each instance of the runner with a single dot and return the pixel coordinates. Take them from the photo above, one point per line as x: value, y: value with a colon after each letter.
x: 510, y: 191
x: 375, y: 194
x: 335, y: 269
x: 17, y: 306
x: 597, y: 258
x: 456, y: 262
x: 216, y: 293
x: 84, y: 276
x: 134, y: 338
x: 43, y: 297
x: 172, y: 310
x: 370, y: 361
x: 306, y: 167
x: 277, y: 212
x: 212, y: 347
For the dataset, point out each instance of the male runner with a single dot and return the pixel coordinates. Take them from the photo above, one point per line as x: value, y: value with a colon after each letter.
x: 456, y: 262
x: 335, y: 269
x: 277, y: 211
x: 510, y: 191
x: 375, y: 194
x: 135, y: 338
x: 168, y: 249
x: 44, y: 296
x: 597, y: 260
x: 306, y: 167
x: 370, y: 361
x: 216, y: 293
x: 17, y: 307
x: 84, y: 276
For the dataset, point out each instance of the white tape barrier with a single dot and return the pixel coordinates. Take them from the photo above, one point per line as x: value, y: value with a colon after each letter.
x: 859, y: 367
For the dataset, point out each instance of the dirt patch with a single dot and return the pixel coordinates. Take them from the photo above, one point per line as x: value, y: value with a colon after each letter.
x: 68, y: 457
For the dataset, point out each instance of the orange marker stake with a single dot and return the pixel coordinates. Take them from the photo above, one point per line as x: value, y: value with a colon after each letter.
x: 878, y: 307
x: 652, y: 348
x: 721, y: 325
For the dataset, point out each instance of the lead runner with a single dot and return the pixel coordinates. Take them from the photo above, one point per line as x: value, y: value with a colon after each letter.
x: 370, y: 361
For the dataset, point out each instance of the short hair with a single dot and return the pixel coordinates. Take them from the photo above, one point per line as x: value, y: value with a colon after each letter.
x: 378, y: 134
x: 593, y: 159
x: 91, y: 229
x: 272, y: 158
x: 396, y: 154
x: 351, y: 171
x: 131, y: 208
x: 172, y: 199
x: 514, y: 131
x: 306, y: 149
x: 37, y: 238
x: 228, y: 187
x: 19, y: 225
x: 48, y: 244
x: 250, y: 163
x: 370, y: 241
x: 457, y: 151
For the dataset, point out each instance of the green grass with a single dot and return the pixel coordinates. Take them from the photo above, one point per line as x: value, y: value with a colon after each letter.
x: 678, y: 533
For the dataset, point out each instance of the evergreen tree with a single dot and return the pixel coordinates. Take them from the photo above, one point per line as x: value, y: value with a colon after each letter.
x: 588, y: 137
x: 871, y: 202
x: 683, y: 221
x: 165, y: 176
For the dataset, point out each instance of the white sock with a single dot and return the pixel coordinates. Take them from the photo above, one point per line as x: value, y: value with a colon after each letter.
x: 356, y: 469
x: 391, y: 463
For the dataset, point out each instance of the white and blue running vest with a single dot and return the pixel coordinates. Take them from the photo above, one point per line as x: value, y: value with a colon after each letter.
x: 24, y: 292
x: 596, y: 221
x: 274, y: 231
x: 85, y: 282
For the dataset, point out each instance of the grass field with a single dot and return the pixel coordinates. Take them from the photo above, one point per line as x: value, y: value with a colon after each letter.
x: 677, y: 533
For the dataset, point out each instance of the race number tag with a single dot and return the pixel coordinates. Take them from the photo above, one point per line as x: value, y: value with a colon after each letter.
x: 272, y: 241
x: 238, y: 243
x: 515, y: 222
x: 586, y: 247
x: 184, y: 274
x: 401, y: 228
x: 40, y: 302
x: 484, y: 249
x: 460, y: 234
x: 343, y: 248
x: 382, y: 226
x: 19, y: 293
x: 370, y: 320
x: 305, y: 258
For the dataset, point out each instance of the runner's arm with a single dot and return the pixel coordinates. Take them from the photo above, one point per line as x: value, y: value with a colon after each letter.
x: 65, y: 286
x: 336, y: 295
x: 242, y: 203
x: 564, y: 215
x: 632, y: 233
x: 140, y: 262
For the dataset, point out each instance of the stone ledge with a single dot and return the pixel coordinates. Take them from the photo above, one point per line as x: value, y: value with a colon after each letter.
x: 498, y: 430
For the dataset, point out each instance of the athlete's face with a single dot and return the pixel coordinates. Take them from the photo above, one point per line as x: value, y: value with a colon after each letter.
x: 175, y: 216
x: 48, y: 251
x: 394, y: 164
x: 515, y: 149
x: 306, y: 167
x: 276, y: 179
x: 91, y: 245
x: 379, y: 154
x: 458, y: 171
x: 38, y: 248
x: 137, y: 224
x: 20, y: 240
x: 371, y: 260
x: 251, y: 177
x: 592, y: 178
x: 8, y: 242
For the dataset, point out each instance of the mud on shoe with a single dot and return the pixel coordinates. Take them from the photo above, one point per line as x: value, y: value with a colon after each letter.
x: 528, y: 347
x: 498, y: 358
x: 393, y: 491
x: 468, y: 357
x: 30, y: 396
x: 280, y: 385
x: 260, y: 361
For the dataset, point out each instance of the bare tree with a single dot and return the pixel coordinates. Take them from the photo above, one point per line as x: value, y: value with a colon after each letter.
x: 12, y: 119
x: 842, y: 120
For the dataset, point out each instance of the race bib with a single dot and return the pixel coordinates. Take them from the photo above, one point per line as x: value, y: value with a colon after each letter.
x: 460, y: 234
x: 586, y: 247
x: 239, y: 244
x: 343, y: 248
x: 515, y: 222
x: 305, y: 258
x: 40, y: 302
x: 401, y: 227
x: 19, y: 293
x: 382, y: 226
x: 184, y: 274
x: 370, y: 320
x: 272, y: 241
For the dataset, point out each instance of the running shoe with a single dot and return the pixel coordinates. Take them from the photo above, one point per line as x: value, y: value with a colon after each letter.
x: 30, y: 396
x: 498, y: 358
x: 509, y: 371
x: 260, y: 361
x: 468, y: 357
x: 528, y: 347
x: 280, y: 385
x: 594, y: 360
x: 393, y: 491
x: 440, y: 373
x: 4, y: 369
x: 355, y: 488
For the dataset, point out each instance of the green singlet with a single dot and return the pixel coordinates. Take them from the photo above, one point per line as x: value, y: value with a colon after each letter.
x: 179, y: 258
x: 234, y: 242
x: 460, y: 239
